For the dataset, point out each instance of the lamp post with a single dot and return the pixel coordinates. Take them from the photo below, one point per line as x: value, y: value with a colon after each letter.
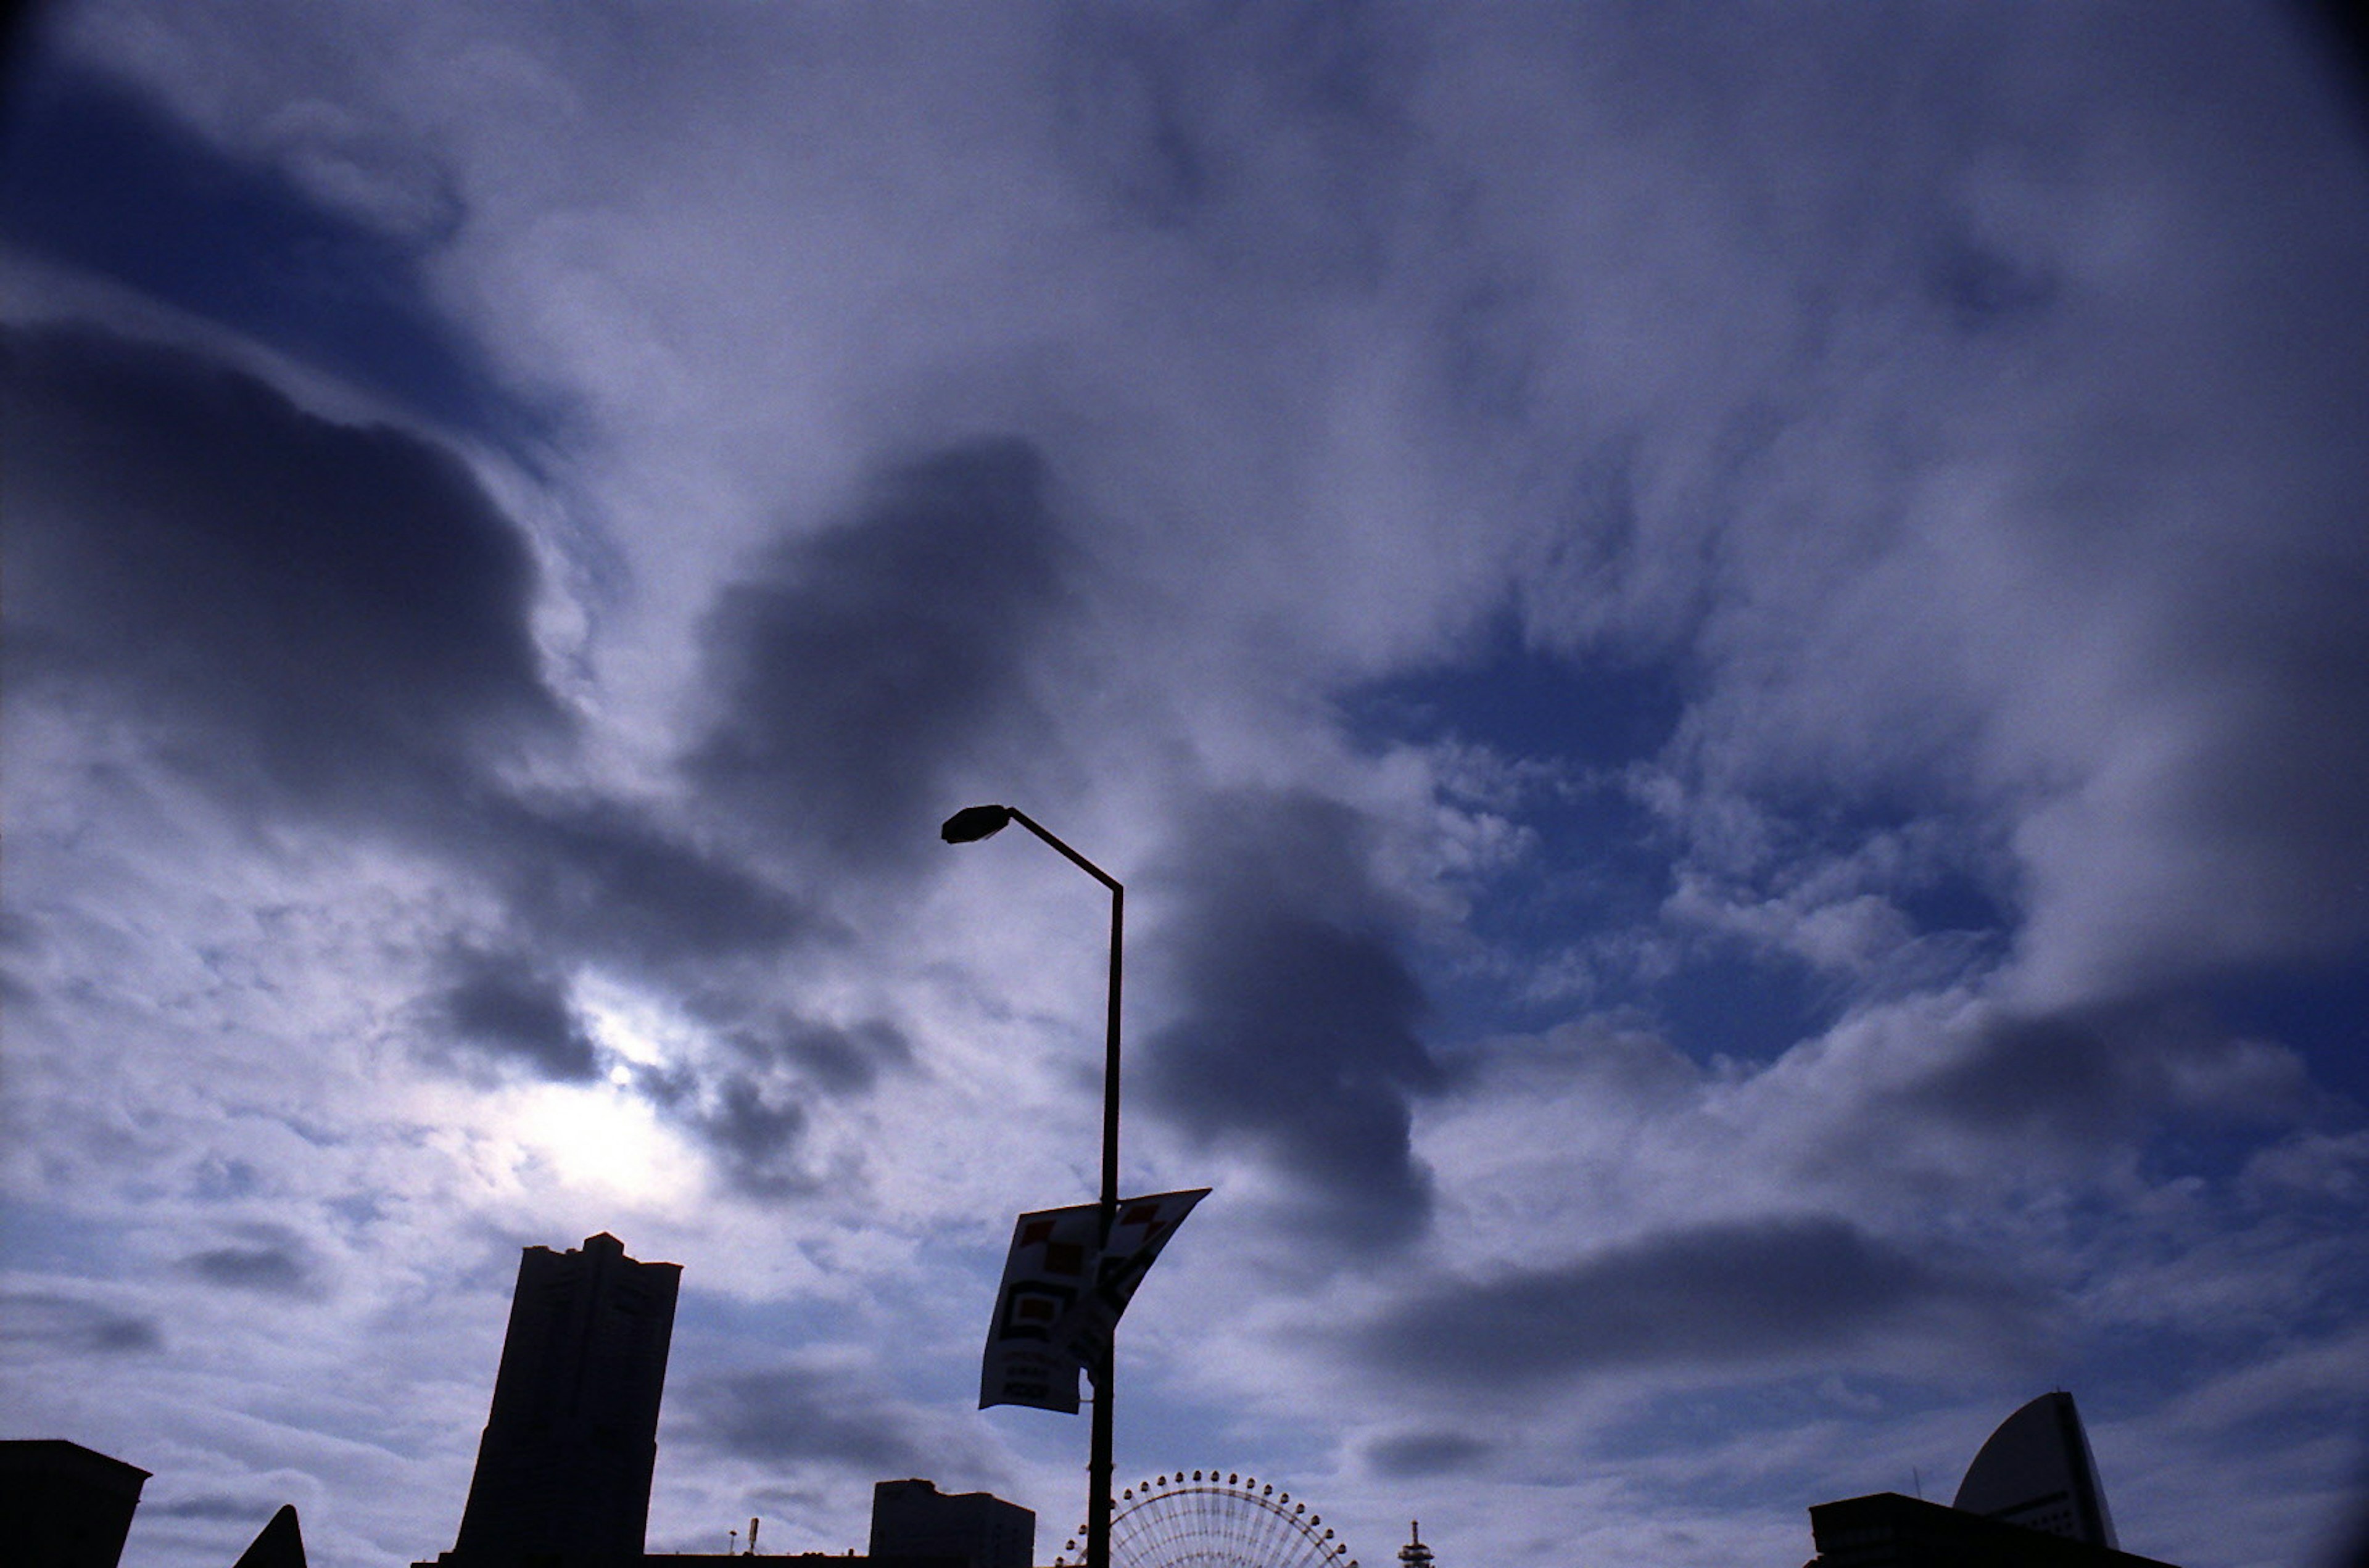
x: 970, y: 825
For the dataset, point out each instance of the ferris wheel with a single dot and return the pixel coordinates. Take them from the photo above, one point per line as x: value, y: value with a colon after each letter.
x: 1214, y: 1519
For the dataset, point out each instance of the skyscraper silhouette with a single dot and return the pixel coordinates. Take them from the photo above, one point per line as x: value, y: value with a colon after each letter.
x: 563, y: 1477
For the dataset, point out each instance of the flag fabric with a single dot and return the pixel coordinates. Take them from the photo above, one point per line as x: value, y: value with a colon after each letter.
x: 1141, y: 1228
x: 1049, y: 1266
x: 1062, y: 1295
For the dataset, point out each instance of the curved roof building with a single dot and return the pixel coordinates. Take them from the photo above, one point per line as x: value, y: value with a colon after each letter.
x: 2036, y: 1470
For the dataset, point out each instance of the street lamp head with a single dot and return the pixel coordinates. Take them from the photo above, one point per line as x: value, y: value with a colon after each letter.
x: 973, y: 823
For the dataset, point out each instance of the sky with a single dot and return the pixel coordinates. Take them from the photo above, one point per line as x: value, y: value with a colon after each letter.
x: 1724, y: 649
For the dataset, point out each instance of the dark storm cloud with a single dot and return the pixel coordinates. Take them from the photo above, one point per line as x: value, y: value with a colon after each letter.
x: 751, y: 1112
x: 63, y: 1325
x: 2081, y: 1079
x: 269, y: 1261
x: 796, y: 1415
x: 1984, y: 289
x: 328, y: 619
x: 868, y: 660
x: 754, y: 1138
x: 267, y: 1270
x: 514, y: 1010
x: 1413, y: 1455
x: 752, y: 1123
x: 603, y: 875
x: 838, y: 1060
x: 1724, y: 1292
x: 94, y: 176
x: 214, y: 1505
x: 1297, y: 1020
x: 338, y: 613
x: 2283, y: 639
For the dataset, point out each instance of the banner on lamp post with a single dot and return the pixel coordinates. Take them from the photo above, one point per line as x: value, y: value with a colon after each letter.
x: 1050, y: 1265
x: 1062, y: 1295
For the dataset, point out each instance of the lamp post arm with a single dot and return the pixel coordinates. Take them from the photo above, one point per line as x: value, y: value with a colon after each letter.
x: 1081, y: 861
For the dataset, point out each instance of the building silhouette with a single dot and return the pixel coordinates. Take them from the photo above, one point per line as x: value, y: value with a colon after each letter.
x: 280, y: 1544
x: 914, y: 1519
x: 1888, y: 1530
x: 2036, y: 1470
x: 913, y: 1526
x: 2029, y: 1500
x: 563, y: 1476
x: 63, y: 1506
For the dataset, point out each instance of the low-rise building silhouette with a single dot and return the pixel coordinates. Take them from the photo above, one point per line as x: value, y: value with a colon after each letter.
x: 791, y: 1559
x: 62, y: 1505
x: 1887, y: 1530
x: 913, y: 1518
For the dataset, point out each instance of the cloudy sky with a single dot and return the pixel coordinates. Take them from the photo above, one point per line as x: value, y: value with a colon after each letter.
x: 1725, y: 647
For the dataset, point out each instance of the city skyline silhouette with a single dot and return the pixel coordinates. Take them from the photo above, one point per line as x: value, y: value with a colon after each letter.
x: 565, y: 1469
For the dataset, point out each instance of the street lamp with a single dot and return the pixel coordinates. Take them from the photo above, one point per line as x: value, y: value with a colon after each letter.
x: 968, y: 826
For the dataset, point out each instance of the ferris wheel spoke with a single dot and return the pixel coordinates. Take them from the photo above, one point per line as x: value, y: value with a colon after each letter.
x: 1167, y: 1537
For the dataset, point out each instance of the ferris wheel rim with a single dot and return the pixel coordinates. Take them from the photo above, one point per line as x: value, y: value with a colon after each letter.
x: 1215, y: 1518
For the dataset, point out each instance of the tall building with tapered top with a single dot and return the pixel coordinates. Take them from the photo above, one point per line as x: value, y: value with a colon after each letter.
x: 563, y: 1477
x: 2037, y: 1472
x: 2029, y: 1500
